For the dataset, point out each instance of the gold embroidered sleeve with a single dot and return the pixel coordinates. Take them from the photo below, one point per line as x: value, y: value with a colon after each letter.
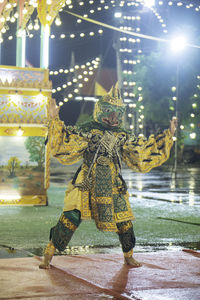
x: 67, y: 144
x: 143, y: 155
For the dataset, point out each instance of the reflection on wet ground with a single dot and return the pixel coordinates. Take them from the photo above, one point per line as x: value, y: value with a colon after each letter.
x: 7, y: 252
x: 81, y: 250
x: 157, y: 185
x: 158, y: 188
x: 163, y: 186
x: 184, y: 222
x: 167, y: 211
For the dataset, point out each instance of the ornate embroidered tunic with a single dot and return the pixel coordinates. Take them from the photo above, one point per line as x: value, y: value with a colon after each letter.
x: 98, y: 189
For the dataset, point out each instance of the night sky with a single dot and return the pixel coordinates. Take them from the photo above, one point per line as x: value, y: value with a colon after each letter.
x: 177, y: 19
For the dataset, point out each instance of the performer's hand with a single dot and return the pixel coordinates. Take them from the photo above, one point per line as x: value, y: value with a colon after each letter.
x: 173, y: 125
x: 53, y: 109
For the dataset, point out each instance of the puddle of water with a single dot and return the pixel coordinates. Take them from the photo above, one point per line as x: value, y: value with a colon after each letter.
x: 187, y: 198
x: 99, y: 249
x: 162, y: 186
x: 8, y: 252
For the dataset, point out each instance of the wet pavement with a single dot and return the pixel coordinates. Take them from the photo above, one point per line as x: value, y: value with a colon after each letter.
x: 163, y: 276
x: 167, y: 211
x: 160, y: 184
x: 174, y: 199
x: 164, y: 186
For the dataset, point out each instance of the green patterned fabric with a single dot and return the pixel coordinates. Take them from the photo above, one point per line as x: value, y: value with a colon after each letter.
x: 105, y: 212
x: 62, y: 233
x: 119, y: 203
x: 126, y: 235
x: 103, y: 187
x: 108, y: 206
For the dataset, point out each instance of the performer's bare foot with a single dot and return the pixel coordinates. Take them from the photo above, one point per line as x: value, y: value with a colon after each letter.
x: 132, y: 262
x: 48, y: 255
x: 44, y: 266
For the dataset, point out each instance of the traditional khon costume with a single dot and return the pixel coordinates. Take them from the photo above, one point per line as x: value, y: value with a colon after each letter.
x: 98, y: 190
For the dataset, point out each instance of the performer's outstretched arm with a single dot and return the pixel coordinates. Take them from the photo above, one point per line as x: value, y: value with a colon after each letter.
x: 142, y: 155
x: 67, y: 143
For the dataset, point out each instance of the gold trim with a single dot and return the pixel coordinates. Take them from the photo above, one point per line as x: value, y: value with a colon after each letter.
x: 128, y: 254
x: 27, y: 131
x: 23, y: 68
x: 47, y: 166
x: 125, y: 227
x: 26, y: 200
x: 67, y: 223
x: 25, y: 92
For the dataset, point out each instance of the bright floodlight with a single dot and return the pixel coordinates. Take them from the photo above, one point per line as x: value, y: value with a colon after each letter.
x: 178, y: 44
x: 118, y: 14
x: 149, y: 3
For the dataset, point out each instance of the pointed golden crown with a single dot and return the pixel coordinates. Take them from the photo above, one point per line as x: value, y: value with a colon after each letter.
x: 113, y: 96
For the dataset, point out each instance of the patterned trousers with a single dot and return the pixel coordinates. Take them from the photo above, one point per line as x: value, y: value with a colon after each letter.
x: 69, y: 221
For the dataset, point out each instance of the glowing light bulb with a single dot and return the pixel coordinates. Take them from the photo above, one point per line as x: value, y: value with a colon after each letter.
x: 58, y: 21
x: 25, y: 11
x: 3, y: 30
x: 178, y: 44
x: 36, y: 26
x: 12, y: 19
x: 8, y: 6
x: 118, y: 15
x: 193, y: 135
x: 20, y: 131
x: 48, y: 17
x: 30, y: 26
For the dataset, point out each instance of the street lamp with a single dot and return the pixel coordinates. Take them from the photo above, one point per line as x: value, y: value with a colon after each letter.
x: 118, y: 14
x: 177, y: 45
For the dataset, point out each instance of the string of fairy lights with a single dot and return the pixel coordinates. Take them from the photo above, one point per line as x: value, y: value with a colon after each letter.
x: 134, y: 62
x: 83, y: 71
x: 130, y: 48
x: 194, y: 111
x: 98, y: 8
x: 71, y: 35
x: 12, y: 14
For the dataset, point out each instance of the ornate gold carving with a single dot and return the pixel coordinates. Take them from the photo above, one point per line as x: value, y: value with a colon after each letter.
x: 102, y: 160
x: 113, y: 96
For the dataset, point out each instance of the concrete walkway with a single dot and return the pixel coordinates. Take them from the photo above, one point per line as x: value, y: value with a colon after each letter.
x: 165, y: 275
